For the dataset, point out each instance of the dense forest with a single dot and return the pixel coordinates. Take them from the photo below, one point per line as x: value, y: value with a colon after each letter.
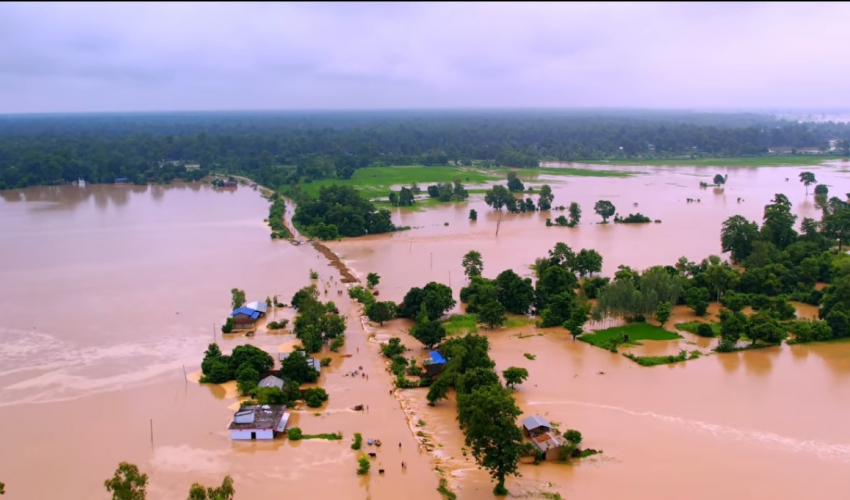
x: 278, y: 148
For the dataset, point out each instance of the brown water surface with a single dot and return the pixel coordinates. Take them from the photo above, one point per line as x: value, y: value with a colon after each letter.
x: 111, y: 294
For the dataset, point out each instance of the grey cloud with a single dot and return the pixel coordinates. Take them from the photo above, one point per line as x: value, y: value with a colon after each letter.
x: 180, y: 56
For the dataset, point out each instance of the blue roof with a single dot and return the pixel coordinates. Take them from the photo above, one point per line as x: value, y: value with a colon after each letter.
x: 120, y: 179
x: 437, y: 358
x: 247, y: 312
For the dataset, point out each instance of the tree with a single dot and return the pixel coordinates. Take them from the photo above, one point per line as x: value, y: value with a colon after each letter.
x: 663, y: 312
x: 436, y: 297
x: 575, y: 214
x: 778, y: 226
x: 587, y: 262
x: 575, y: 323
x: 302, y: 295
x: 294, y: 368
x: 392, y: 348
x: 393, y: 197
x: 472, y: 264
x: 127, y: 483
x: 488, y: 416
x: 697, y: 299
x: 492, y: 314
x: 738, y: 236
x: 807, y: 178
x: 732, y: 326
x: 821, y: 190
x: 259, y: 359
x: 562, y: 255
x: 247, y: 378
x: 476, y: 378
x: 720, y: 179
x: 515, y: 376
x: 553, y: 281
x: 514, y: 292
x: 836, y: 225
x: 473, y: 215
x: 514, y: 184
x: 497, y: 197
x: 381, y: 311
x: 430, y: 333
x: 223, y: 492
x: 574, y: 437
x: 604, y: 209
x: 237, y: 298
x: 763, y: 326
x: 372, y: 280
x: 544, y: 201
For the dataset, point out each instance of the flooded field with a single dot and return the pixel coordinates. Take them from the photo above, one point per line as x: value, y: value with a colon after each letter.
x: 111, y: 294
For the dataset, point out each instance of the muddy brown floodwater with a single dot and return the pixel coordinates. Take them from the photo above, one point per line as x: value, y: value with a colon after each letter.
x: 111, y: 294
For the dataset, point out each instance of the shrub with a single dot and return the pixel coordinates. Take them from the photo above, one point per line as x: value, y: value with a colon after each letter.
x: 315, y: 396
x: 326, y: 362
x: 705, y: 330
x: 357, y: 442
x: 392, y: 348
x: 363, y: 466
x: 227, y: 327
x: 294, y: 434
x: 336, y: 343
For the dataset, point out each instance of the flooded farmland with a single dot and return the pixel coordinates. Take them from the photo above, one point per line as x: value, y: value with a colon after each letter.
x: 111, y: 294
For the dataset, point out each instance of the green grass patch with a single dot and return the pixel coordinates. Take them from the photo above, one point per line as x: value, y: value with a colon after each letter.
x: 748, y: 161
x: 374, y: 182
x: 575, y: 172
x: 444, y: 490
x: 460, y: 324
x: 335, y: 436
x: 663, y: 360
x: 530, y: 356
x: 518, y: 321
x: 691, y: 327
x: 635, y: 331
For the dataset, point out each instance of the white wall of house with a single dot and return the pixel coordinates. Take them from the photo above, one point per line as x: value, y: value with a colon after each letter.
x: 242, y: 434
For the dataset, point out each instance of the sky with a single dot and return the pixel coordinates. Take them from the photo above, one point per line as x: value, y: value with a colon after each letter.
x: 101, y: 57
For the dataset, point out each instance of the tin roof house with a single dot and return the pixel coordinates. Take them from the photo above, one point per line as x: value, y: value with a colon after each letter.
x: 543, y: 436
x: 247, y: 315
x: 258, y: 422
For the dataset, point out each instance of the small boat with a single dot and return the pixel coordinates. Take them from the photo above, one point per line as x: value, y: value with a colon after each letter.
x: 369, y: 442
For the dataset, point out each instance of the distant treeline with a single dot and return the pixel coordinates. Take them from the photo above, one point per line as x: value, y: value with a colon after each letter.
x: 277, y: 148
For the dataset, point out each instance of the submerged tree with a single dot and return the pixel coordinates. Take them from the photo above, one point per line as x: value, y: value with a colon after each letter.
x: 223, y: 492
x: 738, y: 236
x: 720, y: 180
x: 473, y: 215
x: 237, y: 298
x: 544, y: 201
x: 127, y: 483
x: 604, y: 209
x: 514, y: 376
x: 472, y: 264
x: 514, y: 184
x: 372, y: 280
x: 807, y: 178
x: 575, y: 214
x: 488, y: 417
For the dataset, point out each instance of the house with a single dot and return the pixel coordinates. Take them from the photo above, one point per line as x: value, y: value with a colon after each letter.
x: 258, y: 422
x: 315, y: 363
x: 543, y: 437
x: 434, y: 364
x: 272, y: 381
x: 247, y: 315
x: 120, y: 180
x: 192, y: 166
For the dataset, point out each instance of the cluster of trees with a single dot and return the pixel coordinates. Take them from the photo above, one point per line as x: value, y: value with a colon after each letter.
x: 500, y: 196
x: 340, y: 211
x: 573, y: 221
x: 276, y: 149
x: 317, y: 323
x: 246, y: 362
x: 128, y: 483
x: 553, y: 295
x: 448, y: 191
x: 637, y: 218
x: 404, y: 198
x: 487, y: 411
x: 276, y: 212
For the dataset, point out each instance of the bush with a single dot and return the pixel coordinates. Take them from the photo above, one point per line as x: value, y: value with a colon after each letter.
x: 392, y: 348
x: 357, y: 442
x: 363, y: 466
x: 705, y: 330
x: 294, y: 434
x: 277, y: 325
x: 326, y: 362
x: 336, y: 343
x: 315, y: 396
x: 227, y: 327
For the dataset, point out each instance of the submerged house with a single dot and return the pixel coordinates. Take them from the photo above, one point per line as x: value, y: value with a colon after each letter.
x: 434, y: 364
x: 258, y: 422
x: 271, y: 381
x: 542, y: 436
x: 247, y: 315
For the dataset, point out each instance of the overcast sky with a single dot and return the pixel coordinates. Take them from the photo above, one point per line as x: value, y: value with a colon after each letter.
x: 67, y: 57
